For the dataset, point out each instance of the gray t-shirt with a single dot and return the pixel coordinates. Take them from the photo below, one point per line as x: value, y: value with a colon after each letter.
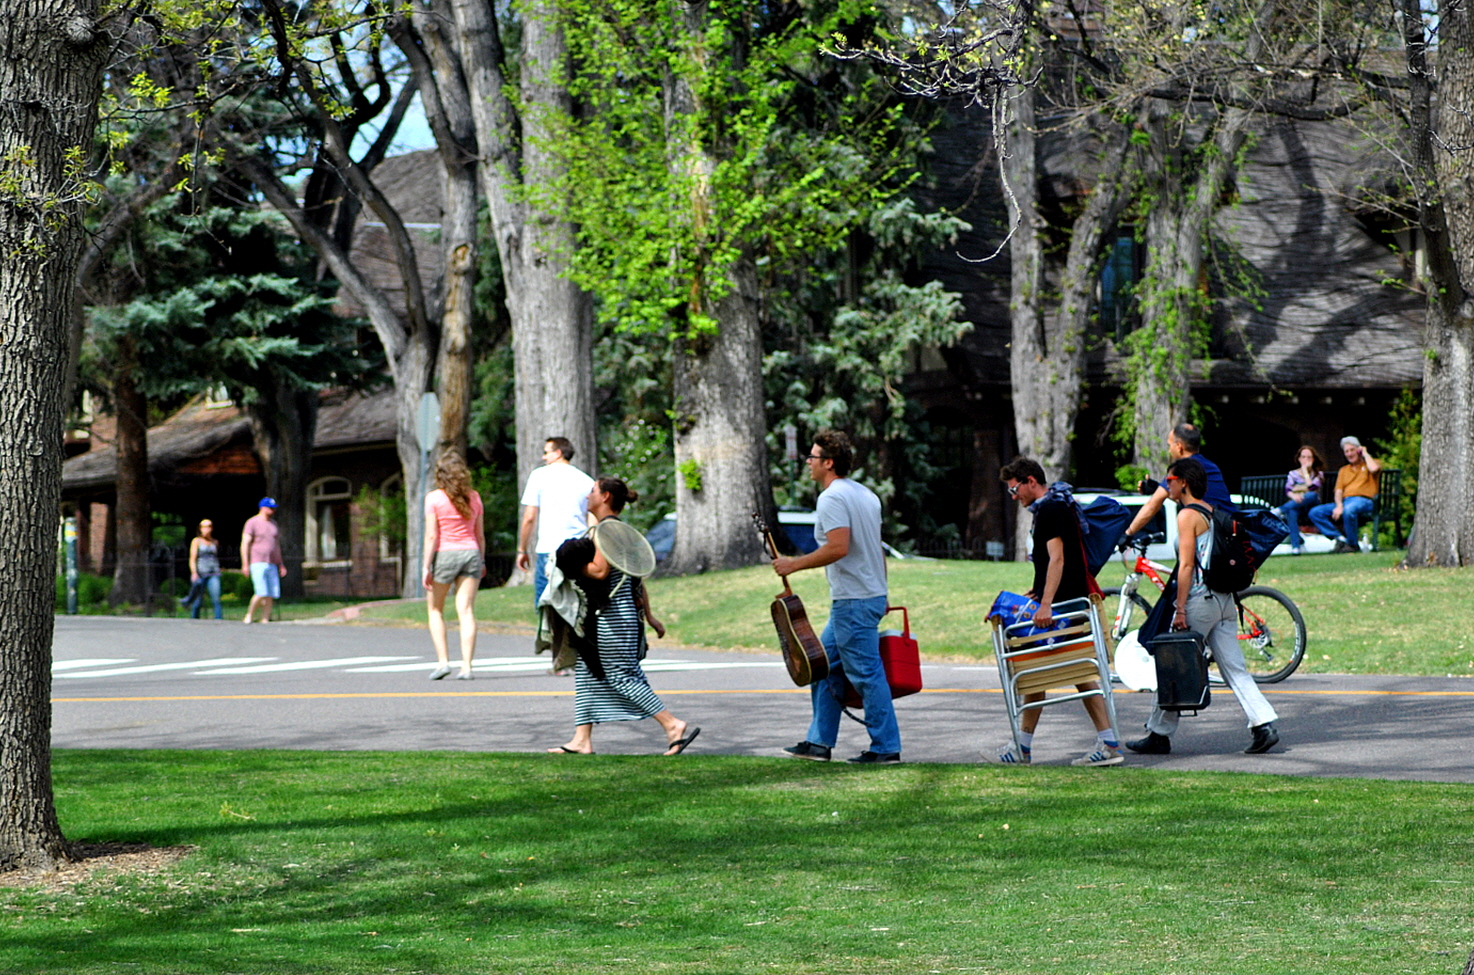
x: 861, y: 573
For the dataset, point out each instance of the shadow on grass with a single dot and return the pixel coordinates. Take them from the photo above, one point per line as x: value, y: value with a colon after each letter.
x: 314, y: 862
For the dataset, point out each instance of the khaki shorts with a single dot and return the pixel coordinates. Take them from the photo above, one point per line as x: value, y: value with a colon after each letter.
x: 450, y: 566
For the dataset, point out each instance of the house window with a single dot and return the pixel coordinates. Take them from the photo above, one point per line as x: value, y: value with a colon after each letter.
x: 329, y: 520
x: 1118, y: 277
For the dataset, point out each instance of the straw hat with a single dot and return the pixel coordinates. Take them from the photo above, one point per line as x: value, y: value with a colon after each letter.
x: 623, y: 547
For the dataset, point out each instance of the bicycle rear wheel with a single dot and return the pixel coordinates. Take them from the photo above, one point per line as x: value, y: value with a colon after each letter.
x: 1271, y: 634
x: 1137, y: 610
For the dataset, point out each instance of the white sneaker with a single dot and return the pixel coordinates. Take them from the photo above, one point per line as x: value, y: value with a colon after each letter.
x: 1011, y: 754
x: 1101, y: 756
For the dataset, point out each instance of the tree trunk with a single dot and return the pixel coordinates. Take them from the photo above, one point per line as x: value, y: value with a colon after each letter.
x: 412, y: 378
x: 283, y: 429
x: 454, y: 369
x: 407, y: 350
x: 718, y: 398
x: 50, y: 80
x: 447, y: 100
x: 1047, y: 349
x: 1173, y: 302
x: 552, y: 320
x: 1031, y: 369
x: 721, y: 456
x: 1443, y: 522
x: 131, y: 511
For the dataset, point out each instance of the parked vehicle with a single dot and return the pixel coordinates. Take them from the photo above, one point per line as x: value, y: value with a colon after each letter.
x: 797, y: 525
x: 1165, y: 524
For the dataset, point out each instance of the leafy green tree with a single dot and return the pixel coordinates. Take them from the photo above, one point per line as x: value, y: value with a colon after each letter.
x: 219, y: 297
x: 717, y: 150
x: 845, y: 331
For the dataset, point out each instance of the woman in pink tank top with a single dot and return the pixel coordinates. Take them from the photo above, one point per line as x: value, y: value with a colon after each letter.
x: 455, y: 550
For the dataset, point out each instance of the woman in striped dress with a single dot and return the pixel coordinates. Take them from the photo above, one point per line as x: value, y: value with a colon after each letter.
x: 609, y: 684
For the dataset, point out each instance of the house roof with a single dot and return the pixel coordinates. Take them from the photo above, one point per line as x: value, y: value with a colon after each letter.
x: 1324, y: 306
x: 355, y: 420
x: 204, y: 439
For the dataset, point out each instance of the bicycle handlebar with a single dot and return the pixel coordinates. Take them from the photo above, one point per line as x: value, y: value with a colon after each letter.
x: 1140, y: 541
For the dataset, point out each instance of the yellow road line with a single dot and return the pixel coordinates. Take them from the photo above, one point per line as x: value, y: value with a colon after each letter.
x: 666, y: 693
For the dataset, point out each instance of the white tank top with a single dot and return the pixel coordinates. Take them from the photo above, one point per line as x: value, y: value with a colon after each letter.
x: 1204, y: 553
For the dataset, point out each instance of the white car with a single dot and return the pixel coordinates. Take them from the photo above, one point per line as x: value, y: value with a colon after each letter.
x: 1166, y: 523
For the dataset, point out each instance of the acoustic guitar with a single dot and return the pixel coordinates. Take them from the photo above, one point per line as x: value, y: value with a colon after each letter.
x: 803, y: 654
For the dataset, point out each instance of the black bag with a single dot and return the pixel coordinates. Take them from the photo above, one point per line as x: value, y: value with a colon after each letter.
x: 1182, y: 670
x: 1265, y: 529
x: 1232, y: 561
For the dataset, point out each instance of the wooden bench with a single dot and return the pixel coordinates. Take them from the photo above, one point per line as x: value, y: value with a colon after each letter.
x: 1268, y: 490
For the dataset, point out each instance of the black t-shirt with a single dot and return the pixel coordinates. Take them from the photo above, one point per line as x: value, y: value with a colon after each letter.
x: 1056, y: 519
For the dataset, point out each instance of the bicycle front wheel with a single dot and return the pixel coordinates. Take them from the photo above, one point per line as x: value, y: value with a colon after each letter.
x: 1271, y: 634
x: 1128, y: 619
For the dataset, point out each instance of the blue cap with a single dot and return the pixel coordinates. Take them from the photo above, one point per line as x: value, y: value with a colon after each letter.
x: 267, y: 503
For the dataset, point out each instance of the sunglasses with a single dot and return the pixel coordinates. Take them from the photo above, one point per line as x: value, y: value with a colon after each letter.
x: 1013, y: 491
x: 816, y: 457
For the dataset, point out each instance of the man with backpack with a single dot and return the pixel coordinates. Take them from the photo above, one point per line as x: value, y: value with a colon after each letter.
x: 1211, y: 567
x: 1060, y: 573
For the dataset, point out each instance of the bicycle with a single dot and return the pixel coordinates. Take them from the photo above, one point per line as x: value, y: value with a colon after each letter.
x: 1266, y: 615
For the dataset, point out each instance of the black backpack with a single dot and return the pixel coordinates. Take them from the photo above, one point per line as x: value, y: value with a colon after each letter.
x: 1232, y: 561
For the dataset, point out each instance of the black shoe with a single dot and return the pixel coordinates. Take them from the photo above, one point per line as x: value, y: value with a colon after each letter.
x: 1265, y: 738
x: 1152, y: 744
x: 875, y: 758
x: 809, y: 750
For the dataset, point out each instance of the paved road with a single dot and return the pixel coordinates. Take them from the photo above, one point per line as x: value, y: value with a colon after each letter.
x: 152, y: 683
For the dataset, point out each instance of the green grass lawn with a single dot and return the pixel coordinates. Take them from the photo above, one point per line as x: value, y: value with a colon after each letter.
x: 447, y: 863
x: 1363, y: 615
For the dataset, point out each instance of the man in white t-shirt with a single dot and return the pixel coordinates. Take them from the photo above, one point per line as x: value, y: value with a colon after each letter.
x: 847, y: 527
x: 556, y: 500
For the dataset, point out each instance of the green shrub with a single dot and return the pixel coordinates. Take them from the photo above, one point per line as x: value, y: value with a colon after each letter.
x: 235, y: 586
x: 1402, y: 450
x: 92, y: 590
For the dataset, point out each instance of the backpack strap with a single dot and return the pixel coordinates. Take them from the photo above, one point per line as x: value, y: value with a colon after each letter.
x: 1092, y: 587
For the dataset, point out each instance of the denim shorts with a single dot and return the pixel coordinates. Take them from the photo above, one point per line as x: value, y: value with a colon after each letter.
x: 450, y: 566
x: 266, y: 579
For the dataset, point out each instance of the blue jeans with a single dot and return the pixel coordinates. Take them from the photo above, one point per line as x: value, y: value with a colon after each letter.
x: 852, y: 644
x: 1353, y: 510
x: 196, y: 598
x: 539, y: 576
x: 1291, y: 511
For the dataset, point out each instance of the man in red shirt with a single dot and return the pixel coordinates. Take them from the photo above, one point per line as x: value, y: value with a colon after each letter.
x: 261, y: 557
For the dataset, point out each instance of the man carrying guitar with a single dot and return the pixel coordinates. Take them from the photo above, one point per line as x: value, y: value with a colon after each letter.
x: 847, y: 527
